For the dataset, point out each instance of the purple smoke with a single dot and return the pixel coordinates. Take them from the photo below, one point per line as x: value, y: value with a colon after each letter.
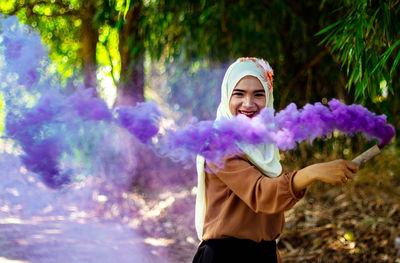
x: 41, y: 148
x: 355, y: 118
x: 54, y: 129
x: 45, y: 132
x: 51, y: 129
x: 88, y: 107
x: 141, y: 120
x: 285, y: 129
x: 23, y: 54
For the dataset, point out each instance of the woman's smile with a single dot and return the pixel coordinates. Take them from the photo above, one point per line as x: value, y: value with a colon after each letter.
x: 250, y: 114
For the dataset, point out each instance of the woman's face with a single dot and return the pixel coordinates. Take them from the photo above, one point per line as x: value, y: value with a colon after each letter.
x: 248, y: 97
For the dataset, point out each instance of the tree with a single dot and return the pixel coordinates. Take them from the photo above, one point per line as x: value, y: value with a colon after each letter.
x: 132, y: 52
x: 72, y: 30
x: 75, y: 30
x: 67, y: 27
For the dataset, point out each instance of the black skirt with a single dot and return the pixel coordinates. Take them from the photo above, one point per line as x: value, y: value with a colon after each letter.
x: 235, y: 250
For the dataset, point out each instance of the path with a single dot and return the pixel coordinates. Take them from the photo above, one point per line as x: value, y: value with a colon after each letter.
x: 63, y: 240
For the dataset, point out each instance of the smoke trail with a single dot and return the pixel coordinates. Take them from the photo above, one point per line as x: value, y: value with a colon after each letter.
x: 285, y: 129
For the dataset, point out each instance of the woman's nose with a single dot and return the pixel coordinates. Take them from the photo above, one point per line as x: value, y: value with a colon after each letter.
x: 248, y: 101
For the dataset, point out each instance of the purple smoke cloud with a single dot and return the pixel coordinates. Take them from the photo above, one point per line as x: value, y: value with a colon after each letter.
x: 45, y: 131
x: 285, y: 129
x: 53, y: 126
x: 141, y: 120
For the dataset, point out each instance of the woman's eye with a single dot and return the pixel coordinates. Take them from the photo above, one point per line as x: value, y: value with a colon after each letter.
x: 260, y: 95
x: 237, y: 94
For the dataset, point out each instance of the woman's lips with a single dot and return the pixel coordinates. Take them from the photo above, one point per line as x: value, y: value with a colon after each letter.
x: 247, y: 113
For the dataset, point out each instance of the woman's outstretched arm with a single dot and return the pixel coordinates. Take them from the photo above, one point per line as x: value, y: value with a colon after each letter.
x: 335, y: 172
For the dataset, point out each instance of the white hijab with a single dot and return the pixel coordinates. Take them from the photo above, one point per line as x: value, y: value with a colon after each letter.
x: 265, y: 156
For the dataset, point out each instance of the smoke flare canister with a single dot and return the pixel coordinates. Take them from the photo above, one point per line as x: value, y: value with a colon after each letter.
x: 365, y: 156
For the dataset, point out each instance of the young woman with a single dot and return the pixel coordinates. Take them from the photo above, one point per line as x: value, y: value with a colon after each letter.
x: 240, y: 207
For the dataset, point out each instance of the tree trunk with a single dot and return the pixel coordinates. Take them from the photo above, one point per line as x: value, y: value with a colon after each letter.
x: 131, y: 86
x: 89, y: 37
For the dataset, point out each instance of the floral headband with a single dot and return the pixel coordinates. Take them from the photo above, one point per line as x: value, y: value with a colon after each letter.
x: 267, y: 73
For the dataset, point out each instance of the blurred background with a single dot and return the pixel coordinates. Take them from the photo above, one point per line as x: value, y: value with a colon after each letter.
x: 175, y: 53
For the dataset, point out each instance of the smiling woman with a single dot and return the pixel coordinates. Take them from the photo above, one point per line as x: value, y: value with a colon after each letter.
x: 240, y: 206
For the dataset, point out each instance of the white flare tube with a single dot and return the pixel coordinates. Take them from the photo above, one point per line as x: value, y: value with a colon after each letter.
x: 365, y: 156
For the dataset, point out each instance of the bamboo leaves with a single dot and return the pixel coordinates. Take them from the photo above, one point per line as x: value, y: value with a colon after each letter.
x: 365, y: 39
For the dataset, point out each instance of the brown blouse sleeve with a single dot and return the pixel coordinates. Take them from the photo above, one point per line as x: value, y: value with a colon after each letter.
x: 261, y: 193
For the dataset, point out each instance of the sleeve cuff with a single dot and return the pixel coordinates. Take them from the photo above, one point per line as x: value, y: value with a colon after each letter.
x: 299, y: 195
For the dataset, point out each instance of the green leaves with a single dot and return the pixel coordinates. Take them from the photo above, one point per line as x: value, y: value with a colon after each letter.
x: 364, y: 39
x: 387, y: 55
x: 326, y: 29
x: 127, y: 6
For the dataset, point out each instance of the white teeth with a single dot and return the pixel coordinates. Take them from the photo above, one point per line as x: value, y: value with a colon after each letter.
x: 247, y: 113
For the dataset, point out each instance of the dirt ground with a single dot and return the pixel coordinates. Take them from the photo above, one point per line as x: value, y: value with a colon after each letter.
x: 60, y: 239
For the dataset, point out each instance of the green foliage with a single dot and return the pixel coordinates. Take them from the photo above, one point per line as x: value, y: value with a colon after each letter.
x: 58, y: 23
x: 366, y: 39
x: 216, y: 29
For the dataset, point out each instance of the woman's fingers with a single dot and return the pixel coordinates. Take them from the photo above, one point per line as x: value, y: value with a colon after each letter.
x: 345, y: 180
x: 336, y: 179
x: 349, y: 170
x: 352, y: 166
x: 349, y: 174
x: 342, y: 175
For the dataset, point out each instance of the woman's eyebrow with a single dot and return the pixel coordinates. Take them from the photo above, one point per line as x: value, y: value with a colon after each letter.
x: 241, y: 90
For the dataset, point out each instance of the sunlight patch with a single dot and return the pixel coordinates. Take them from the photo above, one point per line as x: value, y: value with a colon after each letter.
x: 6, y: 260
x: 159, y: 242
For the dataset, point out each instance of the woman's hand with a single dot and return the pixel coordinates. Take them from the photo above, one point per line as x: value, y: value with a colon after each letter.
x: 336, y: 172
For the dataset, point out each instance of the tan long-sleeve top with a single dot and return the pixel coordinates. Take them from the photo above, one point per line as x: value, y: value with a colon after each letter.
x: 243, y: 203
